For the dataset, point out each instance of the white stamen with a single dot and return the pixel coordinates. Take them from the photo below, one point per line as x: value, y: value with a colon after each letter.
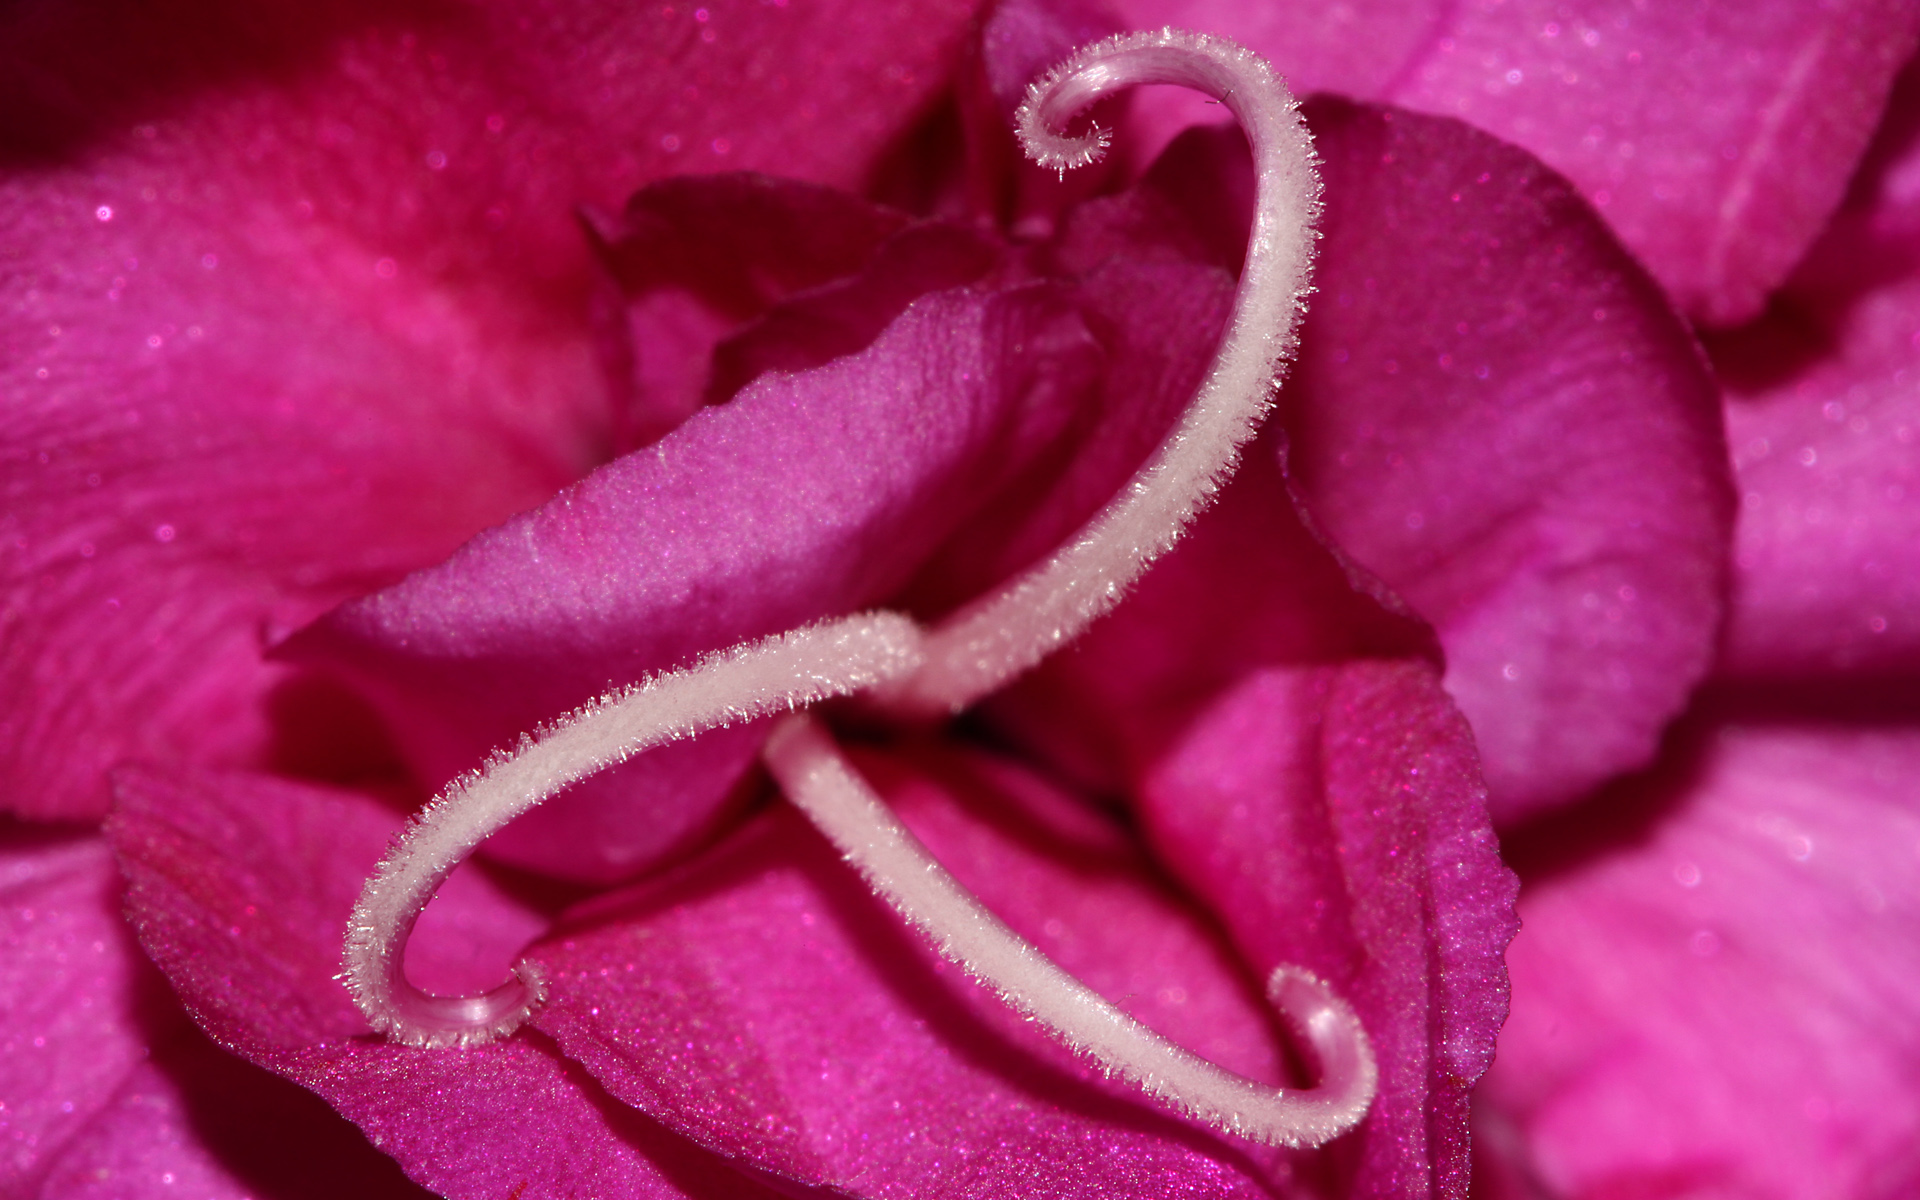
x: 818, y: 779
x: 986, y: 643
x: 973, y: 652
x: 776, y: 674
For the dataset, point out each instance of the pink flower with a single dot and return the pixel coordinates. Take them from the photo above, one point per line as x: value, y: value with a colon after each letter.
x: 300, y: 307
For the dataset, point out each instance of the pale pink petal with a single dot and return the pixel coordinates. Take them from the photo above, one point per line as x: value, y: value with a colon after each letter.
x: 1333, y: 818
x: 807, y: 496
x: 1716, y: 139
x: 1720, y: 999
x: 1823, y: 414
x: 297, y: 302
x: 764, y: 1003
x: 240, y: 886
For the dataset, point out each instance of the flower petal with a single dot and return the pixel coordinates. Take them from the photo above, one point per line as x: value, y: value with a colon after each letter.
x: 240, y: 885
x: 1573, y: 580
x: 1716, y: 140
x: 809, y: 495
x: 1333, y: 817
x: 691, y: 259
x: 1496, y: 412
x: 197, y: 1121
x: 1823, y: 414
x: 76, y: 998
x: 1719, y: 1000
x: 297, y: 304
x: 108, y: 1090
x: 764, y: 1003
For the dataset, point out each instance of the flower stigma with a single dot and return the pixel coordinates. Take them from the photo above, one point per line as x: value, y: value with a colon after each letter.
x: 912, y: 671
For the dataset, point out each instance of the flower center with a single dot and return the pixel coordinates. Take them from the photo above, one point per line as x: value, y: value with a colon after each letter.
x: 910, y: 670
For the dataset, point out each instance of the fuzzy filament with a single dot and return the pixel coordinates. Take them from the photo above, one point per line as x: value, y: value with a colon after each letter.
x: 911, y: 670
x: 819, y: 780
x: 776, y: 674
x: 988, y: 642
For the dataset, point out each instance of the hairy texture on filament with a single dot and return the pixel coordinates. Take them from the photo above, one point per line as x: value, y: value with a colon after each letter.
x: 776, y: 674
x: 819, y: 780
x: 991, y: 640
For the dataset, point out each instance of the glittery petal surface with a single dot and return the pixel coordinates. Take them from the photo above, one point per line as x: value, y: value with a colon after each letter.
x: 1823, y: 414
x: 199, y: 1122
x: 298, y: 302
x: 71, y: 1000
x: 713, y: 280
x: 809, y: 495
x: 763, y: 1002
x: 1720, y: 999
x: 1497, y: 413
x: 240, y: 885
x: 1715, y: 139
x: 1573, y: 581
x: 1333, y: 818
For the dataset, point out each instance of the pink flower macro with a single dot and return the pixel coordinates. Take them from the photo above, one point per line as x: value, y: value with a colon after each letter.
x: 379, y: 386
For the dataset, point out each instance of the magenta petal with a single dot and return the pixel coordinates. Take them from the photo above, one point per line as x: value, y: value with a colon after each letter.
x: 108, y: 1091
x: 184, y: 478
x: 1496, y: 412
x: 77, y: 1000
x: 295, y: 304
x: 1823, y: 413
x: 1723, y: 1003
x: 240, y: 887
x: 1333, y: 818
x: 690, y: 259
x: 764, y: 1003
x: 1250, y: 587
x: 198, y: 1122
x: 1129, y: 264
x: 814, y: 327
x: 1715, y: 139
x: 809, y: 495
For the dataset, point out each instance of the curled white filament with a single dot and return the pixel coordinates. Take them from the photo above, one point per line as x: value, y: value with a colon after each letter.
x: 776, y: 674
x: 988, y: 642
x: 979, y: 648
x: 819, y: 781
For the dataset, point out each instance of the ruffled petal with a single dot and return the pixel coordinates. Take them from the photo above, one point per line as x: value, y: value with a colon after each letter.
x: 240, y: 886
x: 1333, y: 818
x: 1716, y: 141
x: 1823, y: 413
x: 298, y: 304
x: 764, y: 1003
x: 1720, y: 999
x: 1561, y: 519
x: 1497, y: 413
x: 809, y: 495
